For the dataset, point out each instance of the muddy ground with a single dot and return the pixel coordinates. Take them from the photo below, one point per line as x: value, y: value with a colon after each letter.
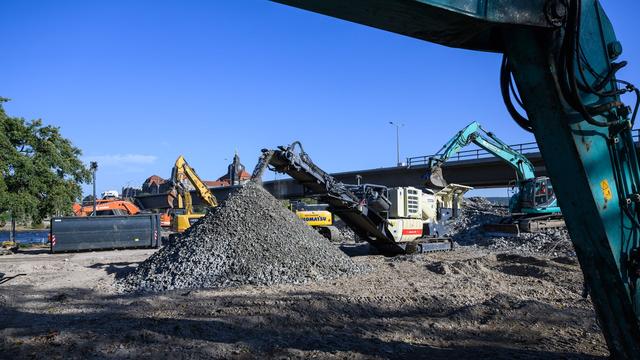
x: 462, y: 304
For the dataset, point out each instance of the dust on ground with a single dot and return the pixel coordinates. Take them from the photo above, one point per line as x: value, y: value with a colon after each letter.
x: 470, y: 303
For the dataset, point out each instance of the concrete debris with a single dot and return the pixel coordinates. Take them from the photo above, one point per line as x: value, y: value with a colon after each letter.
x: 249, y: 239
x: 347, y: 235
x: 467, y: 230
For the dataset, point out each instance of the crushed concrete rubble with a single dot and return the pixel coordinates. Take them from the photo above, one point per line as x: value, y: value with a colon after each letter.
x: 347, y: 235
x: 467, y: 230
x: 249, y: 239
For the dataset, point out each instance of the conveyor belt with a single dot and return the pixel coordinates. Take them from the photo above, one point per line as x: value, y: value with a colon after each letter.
x: 365, y: 221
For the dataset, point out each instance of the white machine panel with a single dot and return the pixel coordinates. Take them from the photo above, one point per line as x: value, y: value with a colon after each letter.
x: 405, y: 203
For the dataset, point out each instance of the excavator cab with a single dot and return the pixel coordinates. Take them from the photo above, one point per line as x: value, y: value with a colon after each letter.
x: 536, y: 196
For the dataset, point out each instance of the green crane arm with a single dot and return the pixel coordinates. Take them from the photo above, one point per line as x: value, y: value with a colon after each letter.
x: 475, y: 134
x: 561, y: 57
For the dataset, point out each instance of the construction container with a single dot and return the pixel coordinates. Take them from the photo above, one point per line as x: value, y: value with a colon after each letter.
x: 77, y: 233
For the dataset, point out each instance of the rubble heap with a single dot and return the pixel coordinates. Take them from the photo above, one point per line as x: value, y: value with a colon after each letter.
x: 466, y: 230
x: 347, y: 235
x: 249, y: 239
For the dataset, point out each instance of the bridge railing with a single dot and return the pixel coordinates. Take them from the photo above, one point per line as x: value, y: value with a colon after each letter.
x: 474, y: 154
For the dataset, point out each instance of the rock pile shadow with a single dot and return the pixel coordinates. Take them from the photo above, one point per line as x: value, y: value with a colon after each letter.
x: 251, y: 238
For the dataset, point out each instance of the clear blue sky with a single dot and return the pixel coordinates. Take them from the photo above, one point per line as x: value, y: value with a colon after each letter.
x: 136, y: 83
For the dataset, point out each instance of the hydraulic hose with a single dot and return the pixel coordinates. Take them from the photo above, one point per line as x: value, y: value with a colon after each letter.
x: 506, y: 88
x: 573, y: 44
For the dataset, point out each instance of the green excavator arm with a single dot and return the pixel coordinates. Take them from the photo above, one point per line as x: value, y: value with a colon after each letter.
x: 561, y: 56
x: 475, y: 134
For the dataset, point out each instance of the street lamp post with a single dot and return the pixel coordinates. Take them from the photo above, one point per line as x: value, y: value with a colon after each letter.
x: 398, y: 126
x: 93, y: 166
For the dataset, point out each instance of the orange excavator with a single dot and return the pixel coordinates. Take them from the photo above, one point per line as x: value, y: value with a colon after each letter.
x: 107, y: 207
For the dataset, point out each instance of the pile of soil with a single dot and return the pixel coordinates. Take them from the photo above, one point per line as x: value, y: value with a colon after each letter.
x: 249, y: 239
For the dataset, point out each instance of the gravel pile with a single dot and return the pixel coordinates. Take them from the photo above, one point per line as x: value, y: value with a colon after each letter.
x: 249, y: 239
x: 467, y: 230
x: 347, y: 235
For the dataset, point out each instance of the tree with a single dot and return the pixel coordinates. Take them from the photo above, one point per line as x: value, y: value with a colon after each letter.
x: 41, y: 170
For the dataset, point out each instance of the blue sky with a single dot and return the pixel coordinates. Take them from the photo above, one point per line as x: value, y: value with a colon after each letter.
x: 136, y: 83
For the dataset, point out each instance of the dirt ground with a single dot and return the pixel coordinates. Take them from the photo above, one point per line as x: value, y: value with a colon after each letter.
x: 461, y: 304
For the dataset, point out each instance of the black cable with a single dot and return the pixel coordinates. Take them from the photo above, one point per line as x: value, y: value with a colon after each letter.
x: 573, y: 48
x: 602, y: 80
x: 572, y: 61
x: 617, y: 174
x: 630, y: 87
x: 513, y: 91
x: 574, y: 44
x: 566, y: 57
x: 621, y: 185
x: 562, y: 66
x: 637, y: 107
x: 505, y: 88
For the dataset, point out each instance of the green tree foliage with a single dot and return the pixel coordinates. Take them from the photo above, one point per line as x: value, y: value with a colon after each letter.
x: 41, y: 170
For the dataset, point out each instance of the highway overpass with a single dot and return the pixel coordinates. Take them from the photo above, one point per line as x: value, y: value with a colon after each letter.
x: 475, y: 168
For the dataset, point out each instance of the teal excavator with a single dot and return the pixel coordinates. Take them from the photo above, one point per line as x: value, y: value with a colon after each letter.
x: 533, y: 207
x: 560, y: 64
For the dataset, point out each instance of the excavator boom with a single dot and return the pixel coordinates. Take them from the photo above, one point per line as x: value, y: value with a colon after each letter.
x: 475, y: 134
x: 182, y: 171
x: 561, y: 56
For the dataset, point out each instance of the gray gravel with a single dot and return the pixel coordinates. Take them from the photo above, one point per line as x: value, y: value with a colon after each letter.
x: 466, y: 230
x: 347, y: 235
x: 249, y: 239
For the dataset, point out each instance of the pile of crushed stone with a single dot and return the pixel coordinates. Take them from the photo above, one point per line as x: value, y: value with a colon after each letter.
x: 466, y: 230
x: 249, y: 239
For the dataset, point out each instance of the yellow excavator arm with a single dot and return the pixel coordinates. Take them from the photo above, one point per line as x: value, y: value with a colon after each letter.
x: 181, y: 172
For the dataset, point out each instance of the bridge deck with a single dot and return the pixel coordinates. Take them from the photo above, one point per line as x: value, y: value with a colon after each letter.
x: 476, y: 168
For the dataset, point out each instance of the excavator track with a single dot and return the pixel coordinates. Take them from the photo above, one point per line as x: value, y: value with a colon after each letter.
x: 422, y: 246
x: 515, y: 225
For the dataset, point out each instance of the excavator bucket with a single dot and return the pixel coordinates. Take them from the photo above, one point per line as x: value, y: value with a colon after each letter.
x: 434, y: 178
x: 172, y: 198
